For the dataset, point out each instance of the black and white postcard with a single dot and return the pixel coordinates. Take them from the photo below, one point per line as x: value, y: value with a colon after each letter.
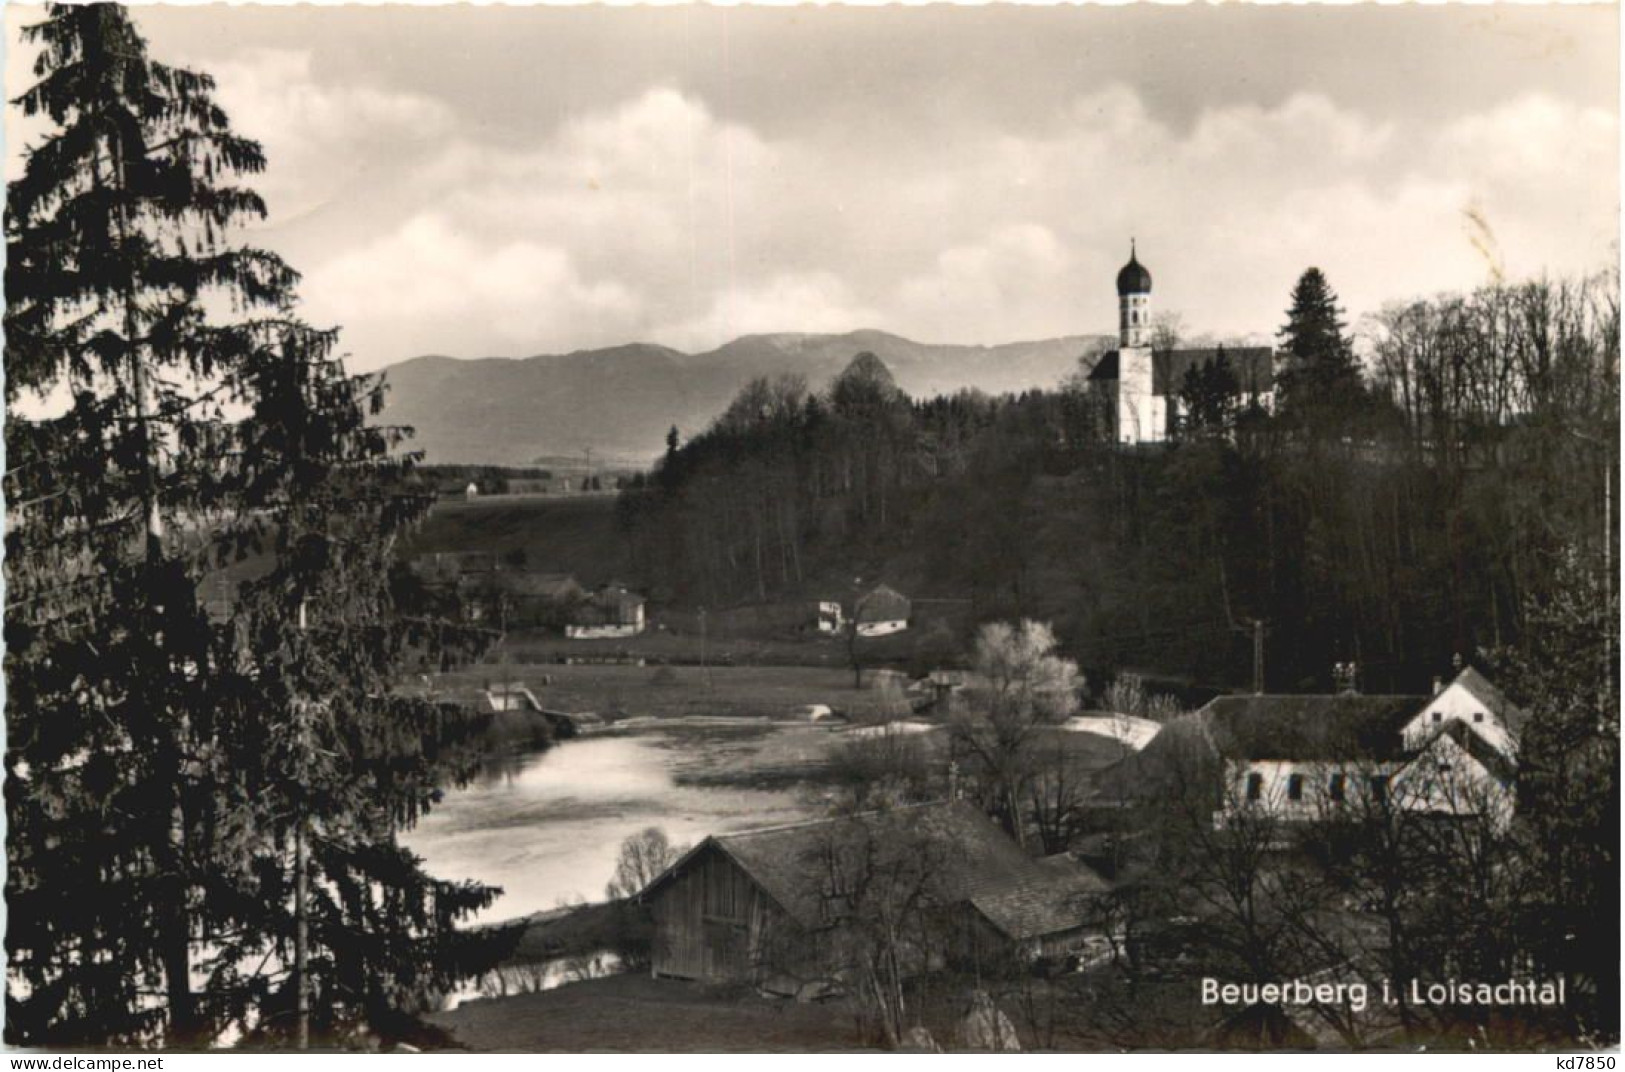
x: 782, y: 528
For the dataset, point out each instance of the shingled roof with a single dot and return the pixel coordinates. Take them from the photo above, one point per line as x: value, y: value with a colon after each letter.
x: 882, y: 604
x: 1192, y: 748
x: 970, y: 859
x: 1034, y: 908
x: 1320, y: 727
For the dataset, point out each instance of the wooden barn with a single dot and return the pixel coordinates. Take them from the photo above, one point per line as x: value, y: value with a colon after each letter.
x: 768, y: 906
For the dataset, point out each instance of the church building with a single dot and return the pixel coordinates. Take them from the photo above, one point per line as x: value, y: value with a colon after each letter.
x: 1142, y: 384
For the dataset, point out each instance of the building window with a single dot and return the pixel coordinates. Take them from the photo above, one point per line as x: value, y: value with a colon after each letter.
x: 1438, y: 716
x: 1338, y: 787
x: 1294, y: 787
x: 1255, y: 787
x: 1379, y: 788
x: 1478, y: 716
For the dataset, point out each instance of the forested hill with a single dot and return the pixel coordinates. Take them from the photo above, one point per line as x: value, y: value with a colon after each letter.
x: 620, y: 402
x: 1392, y: 515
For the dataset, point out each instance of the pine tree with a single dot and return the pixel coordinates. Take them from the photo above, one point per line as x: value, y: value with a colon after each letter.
x: 1209, y: 395
x: 1321, y: 371
x: 174, y: 748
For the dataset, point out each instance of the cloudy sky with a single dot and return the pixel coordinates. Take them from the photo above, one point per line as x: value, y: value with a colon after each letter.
x: 511, y: 181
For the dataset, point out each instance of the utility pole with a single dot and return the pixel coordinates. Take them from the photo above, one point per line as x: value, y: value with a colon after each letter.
x: 1258, y: 656
x: 705, y: 667
x: 1257, y: 625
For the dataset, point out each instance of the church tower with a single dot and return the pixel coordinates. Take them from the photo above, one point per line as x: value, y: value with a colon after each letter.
x: 1133, y: 302
x: 1141, y: 415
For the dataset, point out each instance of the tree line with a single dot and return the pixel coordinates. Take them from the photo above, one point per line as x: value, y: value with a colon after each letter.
x: 1398, y: 503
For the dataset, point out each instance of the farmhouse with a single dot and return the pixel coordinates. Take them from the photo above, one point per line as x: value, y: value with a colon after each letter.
x: 612, y: 611
x: 1141, y: 384
x: 881, y: 611
x: 780, y: 906
x: 1314, y: 757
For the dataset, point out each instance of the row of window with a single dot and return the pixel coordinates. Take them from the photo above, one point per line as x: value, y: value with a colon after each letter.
x: 1336, y: 789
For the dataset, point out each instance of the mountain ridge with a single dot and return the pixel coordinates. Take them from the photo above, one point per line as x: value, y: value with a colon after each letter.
x: 621, y: 399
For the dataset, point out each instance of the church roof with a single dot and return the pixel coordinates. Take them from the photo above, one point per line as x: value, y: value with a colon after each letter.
x: 1254, y: 367
x: 1133, y: 278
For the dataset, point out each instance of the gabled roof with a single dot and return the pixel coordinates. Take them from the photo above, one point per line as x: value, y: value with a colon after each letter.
x: 882, y: 604
x: 1254, y: 367
x: 1191, y: 750
x: 1106, y: 367
x: 1317, y: 727
x: 1484, y: 691
x: 970, y: 860
x: 1488, y: 756
x: 1033, y: 908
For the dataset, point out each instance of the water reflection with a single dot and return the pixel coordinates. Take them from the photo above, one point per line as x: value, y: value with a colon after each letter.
x: 546, y: 825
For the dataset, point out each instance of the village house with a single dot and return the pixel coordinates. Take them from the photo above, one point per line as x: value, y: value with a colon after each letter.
x: 614, y: 610
x: 772, y: 906
x: 1141, y: 383
x: 1307, y: 758
x: 881, y: 611
x: 828, y: 617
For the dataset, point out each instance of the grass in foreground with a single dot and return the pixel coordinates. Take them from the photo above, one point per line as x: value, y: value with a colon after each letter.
x: 637, y: 1014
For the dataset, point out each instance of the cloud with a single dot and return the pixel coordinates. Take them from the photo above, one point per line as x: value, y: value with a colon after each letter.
x: 325, y: 141
x: 1004, y: 279
x: 448, y: 289
x: 656, y: 217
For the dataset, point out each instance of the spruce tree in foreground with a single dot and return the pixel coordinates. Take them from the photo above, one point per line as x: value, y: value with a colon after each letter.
x: 201, y: 623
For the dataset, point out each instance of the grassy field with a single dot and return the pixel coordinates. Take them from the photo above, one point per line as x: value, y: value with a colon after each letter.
x: 637, y: 1014
x: 737, y: 647
x: 620, y: 692
x: 579, y: 536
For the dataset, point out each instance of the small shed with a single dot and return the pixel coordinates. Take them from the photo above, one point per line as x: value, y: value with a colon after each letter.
x: 472, y: 491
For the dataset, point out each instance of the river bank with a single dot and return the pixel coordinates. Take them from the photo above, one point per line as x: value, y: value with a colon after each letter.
x: 546, y: 825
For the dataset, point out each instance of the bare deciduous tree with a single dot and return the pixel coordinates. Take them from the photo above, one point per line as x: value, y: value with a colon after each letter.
x: 644, y: 856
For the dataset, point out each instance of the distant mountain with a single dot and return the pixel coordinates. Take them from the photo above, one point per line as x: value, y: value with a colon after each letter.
x: 619, y: 402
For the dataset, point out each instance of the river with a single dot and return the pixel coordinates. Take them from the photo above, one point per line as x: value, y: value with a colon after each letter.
x: 546, y: 826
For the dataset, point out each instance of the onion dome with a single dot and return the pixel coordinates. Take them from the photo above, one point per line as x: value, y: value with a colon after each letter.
x: 1133, y: 279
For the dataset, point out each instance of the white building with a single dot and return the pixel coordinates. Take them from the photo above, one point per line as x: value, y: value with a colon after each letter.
x: 881, y: 612
x: 612, y: 611
x: 1306, y: 758
x: 1142, y: 384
